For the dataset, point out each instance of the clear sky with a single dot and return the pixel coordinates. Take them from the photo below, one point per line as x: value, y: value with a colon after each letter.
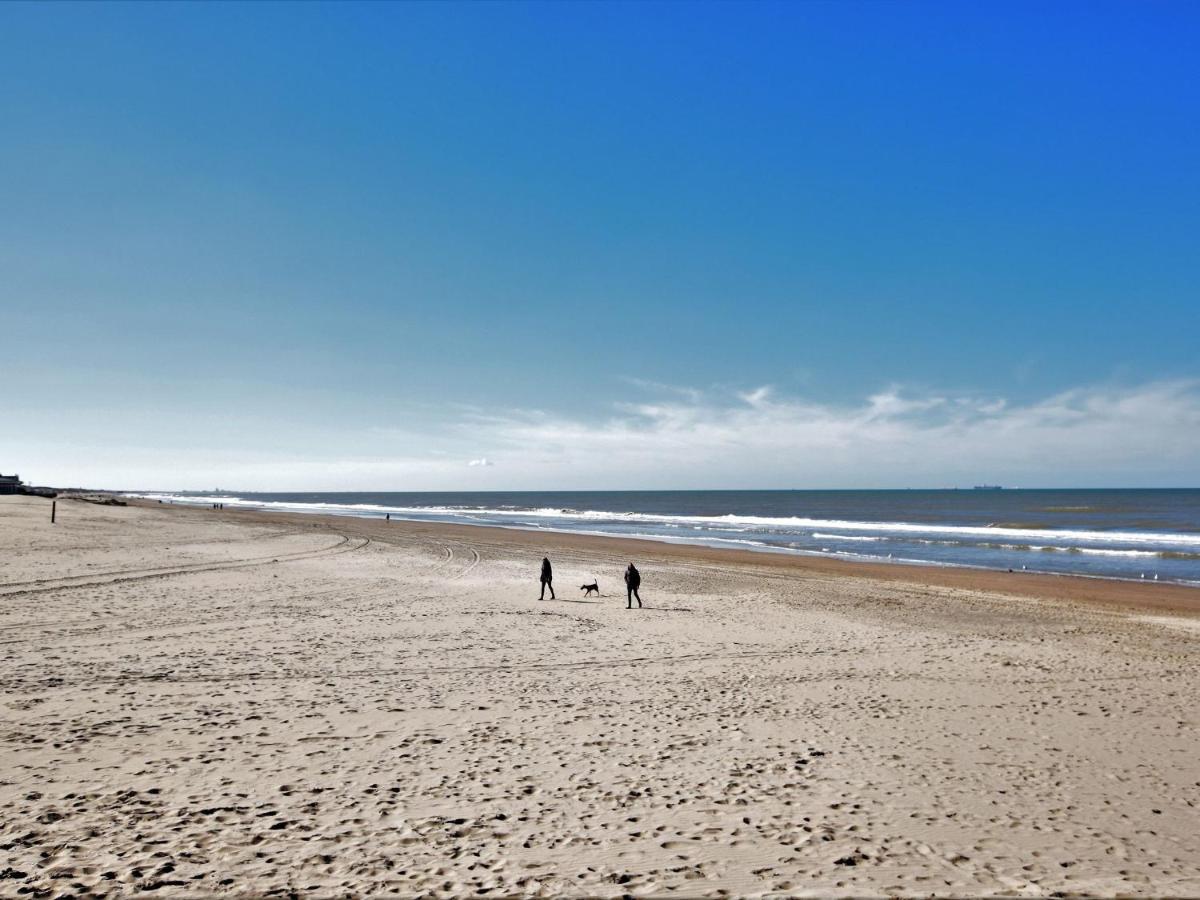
x: 600, y: 245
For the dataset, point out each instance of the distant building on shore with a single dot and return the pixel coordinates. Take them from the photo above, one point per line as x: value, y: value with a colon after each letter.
x: 10, y: 484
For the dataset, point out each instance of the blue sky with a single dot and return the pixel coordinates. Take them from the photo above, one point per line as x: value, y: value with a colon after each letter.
x: 600, y: 245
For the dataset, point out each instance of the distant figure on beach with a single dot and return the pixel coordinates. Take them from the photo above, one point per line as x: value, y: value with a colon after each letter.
x: 547, y: 579
x: 633, y: 580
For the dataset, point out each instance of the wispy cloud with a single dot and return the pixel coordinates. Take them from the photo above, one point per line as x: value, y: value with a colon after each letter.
x: 1146, y: 434
x: 1101, y: 434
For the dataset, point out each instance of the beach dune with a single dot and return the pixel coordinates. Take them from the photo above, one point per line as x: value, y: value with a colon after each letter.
x: 218, y: 703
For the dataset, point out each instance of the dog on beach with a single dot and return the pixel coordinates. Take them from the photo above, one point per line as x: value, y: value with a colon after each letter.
x: 588, y: 588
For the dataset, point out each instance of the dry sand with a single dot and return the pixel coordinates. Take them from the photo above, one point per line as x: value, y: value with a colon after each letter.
x: 200, y: 703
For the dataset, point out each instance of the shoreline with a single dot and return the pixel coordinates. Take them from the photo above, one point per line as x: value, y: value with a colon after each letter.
x: 1161, y: 597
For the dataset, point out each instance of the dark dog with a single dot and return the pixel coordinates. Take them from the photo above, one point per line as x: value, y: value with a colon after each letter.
x: 588, y: 588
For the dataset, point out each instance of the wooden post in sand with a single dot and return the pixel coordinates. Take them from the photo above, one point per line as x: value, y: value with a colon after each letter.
x: 53, y: 510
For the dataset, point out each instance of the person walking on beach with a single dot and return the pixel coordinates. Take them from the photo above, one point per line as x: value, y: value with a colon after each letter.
x: 547, y: 579
x: 633, y: 580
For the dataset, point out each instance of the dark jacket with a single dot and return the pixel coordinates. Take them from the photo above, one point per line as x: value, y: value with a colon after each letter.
x: 547, y: 572
x: 633, y: 577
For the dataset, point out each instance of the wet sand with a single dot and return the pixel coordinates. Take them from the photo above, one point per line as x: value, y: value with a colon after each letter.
x: 207, y: 703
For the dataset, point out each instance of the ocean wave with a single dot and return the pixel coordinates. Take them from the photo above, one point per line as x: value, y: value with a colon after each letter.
x: 845, y: 537
x: 1100, y: 551
x: 771, y: 524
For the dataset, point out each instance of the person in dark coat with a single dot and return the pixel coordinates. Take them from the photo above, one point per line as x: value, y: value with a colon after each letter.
x: 547, y: 579
x: 633, y: 580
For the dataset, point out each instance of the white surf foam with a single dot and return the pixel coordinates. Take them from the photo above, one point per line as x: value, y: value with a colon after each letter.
x: 845, y: 537
x: 780, y: 524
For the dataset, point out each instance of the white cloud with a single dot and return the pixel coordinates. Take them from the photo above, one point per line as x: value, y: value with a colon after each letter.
x: 758, y: 398
x: 1145, y: 434
x: 1148, y: 434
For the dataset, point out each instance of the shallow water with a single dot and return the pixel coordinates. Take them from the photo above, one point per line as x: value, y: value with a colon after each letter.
x: 1130, y: 533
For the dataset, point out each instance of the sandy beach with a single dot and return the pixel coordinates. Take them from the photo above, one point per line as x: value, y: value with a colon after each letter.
x: 203, y: 703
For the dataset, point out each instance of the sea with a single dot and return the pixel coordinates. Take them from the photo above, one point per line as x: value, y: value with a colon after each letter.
x: 1131, y: 533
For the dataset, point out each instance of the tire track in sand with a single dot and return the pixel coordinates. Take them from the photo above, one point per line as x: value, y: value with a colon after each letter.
x: 471, y: 565
x: 76, y: 582
x: 35, y: 582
